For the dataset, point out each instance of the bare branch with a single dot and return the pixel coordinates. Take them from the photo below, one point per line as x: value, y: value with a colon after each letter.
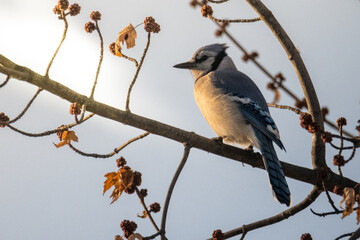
x: 277, y: 218
x: 5, y: 82
x: 172, y: 185
x: 46, y: 133
x: 26, y: 107
x: 329, y: 198
x: 251, y: 20
x: 63, y: 17
x: 324, y: 214
x: 153, y: 236
x: 355, y: 235
x: 218, y: 1
x: 100, y: 60
x: 318, y: 147
x: 167, y: 131
x: 352, y: 155
x: 343, y: 148
x: 342, y: 236
x: 137, y: 73
x: 116, y: 151
x: 146, y: 209
x: 130, y: 59
x: 295, y: 110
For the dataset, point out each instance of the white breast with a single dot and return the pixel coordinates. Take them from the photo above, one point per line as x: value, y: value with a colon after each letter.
x: 222, y: 114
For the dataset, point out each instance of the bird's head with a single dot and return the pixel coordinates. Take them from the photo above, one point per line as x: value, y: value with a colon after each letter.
x: 207, y: 59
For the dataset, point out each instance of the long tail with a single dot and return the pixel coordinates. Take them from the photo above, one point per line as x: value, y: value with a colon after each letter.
x: 277, y: 179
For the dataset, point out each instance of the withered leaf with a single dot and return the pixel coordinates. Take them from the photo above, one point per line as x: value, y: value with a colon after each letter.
x: 67, y: 137
x: 349, y: 199
x: 111, y: 179
x: 127, y: 35
x: 144, y: 215
x: 121, y: 180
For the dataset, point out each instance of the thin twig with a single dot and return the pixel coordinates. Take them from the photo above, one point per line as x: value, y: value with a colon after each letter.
x: 329, y: 198
x: 63, y: 17
x: 340, y: 148
x: 244, y: 233
x: 218, y: 1
x: 251, y: 20
x: 27, y: 106
x: 146, y: 209
x: 334, y: 126
x: 344, y: 235
x: 352, y: 155
x: 100, y: 60
x: 172, y: 185
x: 324, y: 214
x: 130, y: 59
x: 83, y: 110
x: 153, y: 236
x: 137, y: 73
x: 277, y: 218
x: 6, y: 81
x: 354, y: 140
x: 343, y: 148
x: 355, y: 235
x: 46, y: 133
x: 341, y: 140
x: 295, y: 110
x: 116, y: 151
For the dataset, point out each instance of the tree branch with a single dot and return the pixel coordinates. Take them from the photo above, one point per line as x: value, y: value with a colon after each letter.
x: 116, y: 150
x: 171, y: 187
x: 138, y: 67
x: 7, y: 67
x: 277, y: 218
x: 318, y: 147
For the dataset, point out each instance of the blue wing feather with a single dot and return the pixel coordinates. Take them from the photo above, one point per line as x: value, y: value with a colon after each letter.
x: 239, y: 86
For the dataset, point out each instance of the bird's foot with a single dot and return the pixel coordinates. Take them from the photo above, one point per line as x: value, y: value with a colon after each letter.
x: 219, y: 141
x: 250, y: 148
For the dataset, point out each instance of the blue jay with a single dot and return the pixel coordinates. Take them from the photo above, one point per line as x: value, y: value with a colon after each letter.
x: 236, y: 110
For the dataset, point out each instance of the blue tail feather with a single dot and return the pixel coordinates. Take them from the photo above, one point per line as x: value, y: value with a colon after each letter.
x: 272, y: 164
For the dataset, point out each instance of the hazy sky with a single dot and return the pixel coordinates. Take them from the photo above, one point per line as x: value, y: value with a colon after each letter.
x: 49, y: 193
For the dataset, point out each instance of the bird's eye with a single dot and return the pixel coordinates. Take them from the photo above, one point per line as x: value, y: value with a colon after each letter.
x: 203, y: 58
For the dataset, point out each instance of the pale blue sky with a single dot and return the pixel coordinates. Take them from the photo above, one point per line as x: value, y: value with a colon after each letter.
x: 55, y: 193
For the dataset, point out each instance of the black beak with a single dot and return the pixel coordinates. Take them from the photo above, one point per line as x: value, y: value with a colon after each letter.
x: 186, y: 65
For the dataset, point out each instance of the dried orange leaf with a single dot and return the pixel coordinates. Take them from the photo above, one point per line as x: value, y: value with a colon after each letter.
x: 143, y: 215
x: 60, y: 144
x: 349, y: 199
x: 135, y: 236
x: 116, y: 194
x: 121, y: 180
x: 111, y: 179
x: 67, y: 137
x: 127, y: 35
